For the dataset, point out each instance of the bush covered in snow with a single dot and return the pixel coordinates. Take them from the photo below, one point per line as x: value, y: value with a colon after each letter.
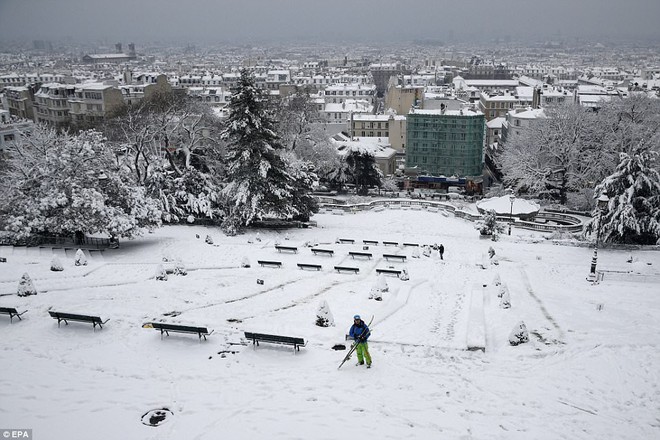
x: 208, y: 239
x: 489, y: 225
x: 245, y: 262
x: 161, y: 274
x: 324, y: 316
x: 56, y: 264
x: 80, y: 259
x: 519, y: 334
x: 25, y: 286
x: 180, y: 268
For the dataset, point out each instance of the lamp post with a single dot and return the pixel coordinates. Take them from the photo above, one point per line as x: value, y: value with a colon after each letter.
x: 512, y: 198
x: 602, y: 204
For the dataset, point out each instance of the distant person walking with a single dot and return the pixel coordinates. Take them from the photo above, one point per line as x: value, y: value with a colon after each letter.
x: 441, y: 249
x: 360, y: 333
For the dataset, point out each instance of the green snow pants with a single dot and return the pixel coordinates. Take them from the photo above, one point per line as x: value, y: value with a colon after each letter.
x: 362, y: 350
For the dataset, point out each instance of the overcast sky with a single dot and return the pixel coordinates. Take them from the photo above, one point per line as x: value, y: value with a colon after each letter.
x: 326, y: 20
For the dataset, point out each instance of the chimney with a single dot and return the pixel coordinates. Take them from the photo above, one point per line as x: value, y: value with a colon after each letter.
x: 118, y: 48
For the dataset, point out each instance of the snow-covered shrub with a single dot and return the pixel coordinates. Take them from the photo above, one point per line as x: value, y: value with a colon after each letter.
x: 180, y: 268
x: 489, y: 225
x: 80, y: 258
x: 56, y: 264
x: 245, y: 262
x: 519, y: 334
x: 404, y: 275
x: 161, y: 274
x: 208, y: 239
x: 426, y: 251
x: 497, y: 280
x: 505, y: 300
x: 378, y: 288
x: 415, y: 252
x: 324, y: 315
x: 25, y: 286
x: 491, y: 252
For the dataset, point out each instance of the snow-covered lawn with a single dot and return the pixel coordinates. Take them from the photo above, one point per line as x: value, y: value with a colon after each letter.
x: 590, y: 371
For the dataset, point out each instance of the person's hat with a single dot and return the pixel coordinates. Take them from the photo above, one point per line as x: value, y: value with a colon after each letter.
x: 356, y: 317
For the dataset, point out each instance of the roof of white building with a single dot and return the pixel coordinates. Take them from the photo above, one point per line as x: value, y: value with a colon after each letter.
x: 495, y: 122
x: 463, y: 112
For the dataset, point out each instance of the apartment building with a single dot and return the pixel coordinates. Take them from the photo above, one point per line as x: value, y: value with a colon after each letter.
x: 51, y: 104
x: 339, y: 93
x: 498, y: 104
x: 93, y: 101
x: 445, y: 142
x: 401, y: 98
x: 519, y: 120
x: 19, y: 101
x: 390, y: 127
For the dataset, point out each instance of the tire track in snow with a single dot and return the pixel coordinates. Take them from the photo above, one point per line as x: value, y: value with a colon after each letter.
x: 545, y: 312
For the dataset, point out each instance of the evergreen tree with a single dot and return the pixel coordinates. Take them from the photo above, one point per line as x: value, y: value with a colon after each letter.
x: 363, y: 170
x: 633, y: 211
x: 259, y: 182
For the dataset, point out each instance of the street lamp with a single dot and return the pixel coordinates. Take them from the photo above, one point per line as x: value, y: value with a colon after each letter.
x: 602, y: 204
x: 512, y: 198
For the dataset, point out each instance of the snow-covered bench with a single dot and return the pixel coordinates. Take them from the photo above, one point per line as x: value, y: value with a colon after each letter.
x: 341, y: 269
x: 276, y: 339
x: 202, y: 332
x: 394, y: 257
x: 11, y: 312
x: 309, y: 266
x: 323, y: 251
x: 66, y: 317
x: 389, y: 272
x: 411, y: 244
x: 286, y: 248
x: 371, y: 242
x: 346, y: 241
x: 263, y: 263
x: 390, y: 243
x: 360, y: 254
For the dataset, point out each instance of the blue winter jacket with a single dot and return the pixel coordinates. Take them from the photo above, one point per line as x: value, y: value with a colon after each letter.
x: 360, y: 332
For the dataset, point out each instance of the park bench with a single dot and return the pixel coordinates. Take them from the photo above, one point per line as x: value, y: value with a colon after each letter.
x: 323, y: 251
x: 263, y: 263
x: 11, y: 312
x: 276, y: 339
x: 309, y: 266
x: 373, y: 242
x: 341, y: 269
x: 394, y: 257
x: 66, y: 317
x: 389, y: 272
x: 202, y: 332
x: 360, y: 254
x: 286, y: 248
x: 411, y: 244
x: 390, y: 243
x: 346, y: 241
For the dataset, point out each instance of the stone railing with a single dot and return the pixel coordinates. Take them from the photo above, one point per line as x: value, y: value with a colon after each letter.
x: 570, y: 222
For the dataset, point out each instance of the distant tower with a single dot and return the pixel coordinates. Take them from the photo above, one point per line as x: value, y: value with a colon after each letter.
x: 118, y: 48
x: 131, y: 49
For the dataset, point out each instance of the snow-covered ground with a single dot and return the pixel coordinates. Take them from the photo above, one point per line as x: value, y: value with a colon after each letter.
x: 590, y: 370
